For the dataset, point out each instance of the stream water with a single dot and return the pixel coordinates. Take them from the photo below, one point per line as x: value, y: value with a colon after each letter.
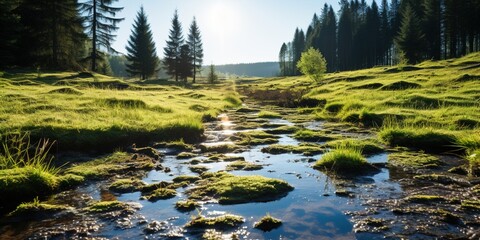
x: 312, y: 210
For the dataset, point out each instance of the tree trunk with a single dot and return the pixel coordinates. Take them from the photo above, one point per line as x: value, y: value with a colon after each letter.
x: 94, y: 37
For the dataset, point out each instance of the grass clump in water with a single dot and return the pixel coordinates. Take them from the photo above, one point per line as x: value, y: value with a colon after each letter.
x: 255, y: 138
x: 268, y: 114
x: 186, y: 178
x: 366, y: 146
x: 186, y: 206
x: 243, y: 165
x: 312, y: 136
x: 413, y: 160
x: 36, y: 207
x: 268, y: 223
x: 160, y: 194
x: 231, y: 189
x: 224, y: 221
x: 307, y: 149
x: 127, y: 185
x: 106, y: 206
x: 345, y: 160
x: 426, y: 199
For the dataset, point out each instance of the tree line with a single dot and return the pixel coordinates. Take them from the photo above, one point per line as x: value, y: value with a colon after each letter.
x: 362, y: 36
x: 73, y: 35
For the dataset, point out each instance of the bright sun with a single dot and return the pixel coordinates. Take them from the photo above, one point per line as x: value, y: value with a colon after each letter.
x: 223, y: 18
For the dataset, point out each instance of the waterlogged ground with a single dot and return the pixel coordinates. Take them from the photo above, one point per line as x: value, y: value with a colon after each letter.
x: 376, y: 206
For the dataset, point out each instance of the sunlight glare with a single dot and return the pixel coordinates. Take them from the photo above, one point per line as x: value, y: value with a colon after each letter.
x: 223, y: 18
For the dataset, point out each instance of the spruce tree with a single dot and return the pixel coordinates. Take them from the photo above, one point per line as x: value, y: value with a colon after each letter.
x: 9, y: 25
x: 101, y: 23
x: 185, y: 65
x: 172, y: 50
x: 212, y: 75
x: 345, y: 37
x: 142, y: 54
x: 282, y: 60
x: 432, y: 28
x: 410, y: 40
x: 196, y: 48
x: 385, y: 34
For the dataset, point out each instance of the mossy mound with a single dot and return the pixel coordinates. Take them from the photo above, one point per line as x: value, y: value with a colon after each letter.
x: 426, y: 139
x: 255, y: 138
x: 198, y: 169
x: 313, y: 136
x: 401, y: 85
x: 269, y: 114
x: 160, y: 194
x: 178, y: 145
x: 243, y: 165
x: 186, y: 155
x: 222, y: 148
x: 37, y: 208
x: 344, y: 160
x: 106, y: 206
x: 224, y: 221
x: 307, y: 149
x: 185, y: 178
x: 127, y: 185
x: 268, y: 223
x: 186, y: 206
x: 413, y: 160
x: 283, y: 130
x: 230, y: 189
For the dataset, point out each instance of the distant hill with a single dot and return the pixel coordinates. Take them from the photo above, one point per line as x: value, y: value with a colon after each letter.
x: 263, y: 69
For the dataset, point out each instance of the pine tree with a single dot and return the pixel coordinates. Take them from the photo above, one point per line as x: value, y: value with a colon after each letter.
x: 196, y: 47
x: 185, y: 65
x: 298, y: 45
x: 345, y: 37
x: 282, y: 60
x: 410, y: 40
x: 172, y: 50
x: 101, y: 22
x: 142, y: 54
x: 212, y: 75
x: 432, y: 28
x: 373, y: 37
x: 9, y: 25
x: 51, y: 33
x: 385, y: 34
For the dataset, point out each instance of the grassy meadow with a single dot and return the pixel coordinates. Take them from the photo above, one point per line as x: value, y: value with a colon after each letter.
x: 85, y: 112
x: 433, y: 106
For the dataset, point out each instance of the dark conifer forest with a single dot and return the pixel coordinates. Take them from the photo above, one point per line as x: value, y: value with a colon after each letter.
x: 361, y: 36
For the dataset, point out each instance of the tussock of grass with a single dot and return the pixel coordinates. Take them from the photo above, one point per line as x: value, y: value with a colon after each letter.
x: 36, y: 207
x: 160, y: 194
x: 230, y: 189
x: 185, y: 178
x: 255, y: 138
x: 185, y: 206
x: 307, y: 149
x: 106, y: 206
x: 313, y: 136
x: 127, y: 185
x: 345, y: 160
x: 366, y: 146
x: 243, y: 165
x: 268, y: 223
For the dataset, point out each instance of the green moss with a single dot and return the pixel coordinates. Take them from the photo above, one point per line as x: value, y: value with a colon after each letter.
x: 268, y: 223
x: 186, y: 206
x: 160, y: 194
x: 178, y: 145
x: 70, y: 180
x: 127, y: 185
x: 255, y: 138
x: 186, y: 155
x: 198, y: 169
x: 185, y: 178
x: 306, y: 149
x: 268, y: 114
x: 223, y: 148
x: 243, y: 165
x: 106, y: 206
x: 345, y: 160
x: 313, y: 136
x: 225, y: 221
x: 413, y: 160
x: 283, y: 130
x: 366, y: 146
x: 230, y: 189
x: 36, y: 207
x: 426, y: 199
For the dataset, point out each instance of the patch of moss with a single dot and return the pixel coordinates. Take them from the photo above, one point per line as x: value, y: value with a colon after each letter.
x: 224, y: 221
x: 36, y: 207
x: 185, y: 178
x: 186, y: 155
x: 303, y: 148
x: 230, y: 189
x: 283, y: 130
x: 268, y: 223
x: 413, y: 160
x: 255, y: 138
x: 401, y: 85
x: 127, y: 185
x: 222, y: 148
x: 154, y: 186
x: 313, y: 136
x: 243, y: 165
x: 268, y: 114
x: 70, y: 180
x: 186, y: 206
x: 426, y: 199
x: 106, y: 206
x: 160, y: 194
x: 178, y: 145
x: 198, y: 169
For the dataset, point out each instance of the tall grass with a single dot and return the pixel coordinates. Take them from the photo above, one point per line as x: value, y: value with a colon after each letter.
x: 344, y: 158
x: 19, y: 152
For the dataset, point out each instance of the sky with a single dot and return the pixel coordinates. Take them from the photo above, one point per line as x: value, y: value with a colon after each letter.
x: 233, y: 31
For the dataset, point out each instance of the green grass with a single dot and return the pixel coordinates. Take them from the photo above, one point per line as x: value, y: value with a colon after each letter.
x: 106, y: 206
x: 37, y: 207
x: 160, y: 194
x: 366, y: 146
x: 224, y: 221
x: 231, y: 189
x: 243, y: 165
x: 104, y: 113
x: 343, y: 159
x: 413, y: 160
x: 268, y: 223
x: 269, y: 114
x: 185, y: 206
